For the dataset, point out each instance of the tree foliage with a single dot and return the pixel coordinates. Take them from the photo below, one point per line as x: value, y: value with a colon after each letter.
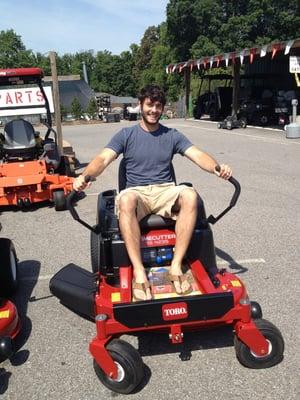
x: 13, y: 53
x: 206, y: 27
x: 92, y: 108
x: 76, y: 108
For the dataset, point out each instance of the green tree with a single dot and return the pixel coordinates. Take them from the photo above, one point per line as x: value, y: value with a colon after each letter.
x: 43, y: 61
x: 205, y: 27
x: 13, y: 53
x: 63, y: 111
x: 92, y: 108
x: 76, y: 108
x: 144, y: 55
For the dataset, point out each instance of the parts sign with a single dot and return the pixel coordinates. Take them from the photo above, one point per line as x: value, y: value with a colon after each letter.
x: 24, y: 101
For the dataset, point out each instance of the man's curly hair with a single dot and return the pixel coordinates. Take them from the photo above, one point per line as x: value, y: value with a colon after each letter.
x: 154, y: 92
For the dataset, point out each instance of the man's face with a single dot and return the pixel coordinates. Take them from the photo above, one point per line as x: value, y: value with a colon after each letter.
x: 151, y: 111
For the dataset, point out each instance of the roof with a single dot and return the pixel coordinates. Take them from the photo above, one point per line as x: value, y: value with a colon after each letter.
x: 68, y: 90
x: 119, y: 99
x: 242, y: 56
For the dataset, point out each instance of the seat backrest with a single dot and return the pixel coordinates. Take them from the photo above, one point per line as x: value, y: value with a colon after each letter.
x: 122, y: 175
x: 19, y: 134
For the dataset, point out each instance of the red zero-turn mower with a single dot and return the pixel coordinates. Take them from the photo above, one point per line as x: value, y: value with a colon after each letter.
x: 9, y: 319
x: 31, y: 170
x: 105, y: 295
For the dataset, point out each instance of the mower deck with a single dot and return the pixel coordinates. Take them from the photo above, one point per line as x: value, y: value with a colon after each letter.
x: 30, y: 180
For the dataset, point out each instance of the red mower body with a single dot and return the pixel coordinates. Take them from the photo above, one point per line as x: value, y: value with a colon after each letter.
x: 9, y: 319
x: 30, y: 180
x: 227, y: 304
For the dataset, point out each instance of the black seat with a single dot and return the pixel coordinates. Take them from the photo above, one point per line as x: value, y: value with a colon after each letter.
x: 19, y: 139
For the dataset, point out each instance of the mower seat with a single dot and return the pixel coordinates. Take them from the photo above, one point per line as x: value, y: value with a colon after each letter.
x: 19, y: 140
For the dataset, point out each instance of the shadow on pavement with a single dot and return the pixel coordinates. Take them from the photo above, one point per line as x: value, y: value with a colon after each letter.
x: 232, y: 264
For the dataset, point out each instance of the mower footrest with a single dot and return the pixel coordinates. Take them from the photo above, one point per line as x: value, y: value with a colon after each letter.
x: 75, y: 287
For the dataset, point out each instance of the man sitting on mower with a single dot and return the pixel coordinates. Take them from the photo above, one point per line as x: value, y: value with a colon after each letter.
x: 148, y: 149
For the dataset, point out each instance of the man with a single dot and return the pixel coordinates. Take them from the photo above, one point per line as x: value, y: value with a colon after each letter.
x: 148, y: 149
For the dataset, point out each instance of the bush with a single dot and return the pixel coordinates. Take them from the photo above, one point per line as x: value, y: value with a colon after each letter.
x: 92, y: 109
x: 76, y: 108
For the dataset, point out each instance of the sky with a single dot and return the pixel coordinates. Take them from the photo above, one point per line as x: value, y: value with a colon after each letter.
x: 70, y: 26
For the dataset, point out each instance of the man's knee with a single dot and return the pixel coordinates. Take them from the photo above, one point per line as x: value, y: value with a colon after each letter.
x: 189, y: 198
x: 128, y: 202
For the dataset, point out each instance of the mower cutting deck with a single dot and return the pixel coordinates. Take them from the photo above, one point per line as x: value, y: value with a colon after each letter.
x: 105, y: 295
x: 32, y: 169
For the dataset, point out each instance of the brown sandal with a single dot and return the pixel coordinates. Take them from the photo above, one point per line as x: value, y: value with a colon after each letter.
x: 140, y: 286
x: 180, y: 278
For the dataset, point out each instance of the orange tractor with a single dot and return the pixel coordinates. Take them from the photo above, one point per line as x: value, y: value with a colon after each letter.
x: 32, y: 169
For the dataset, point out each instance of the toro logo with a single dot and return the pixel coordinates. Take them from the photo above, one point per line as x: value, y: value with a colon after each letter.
x: 174, y: 311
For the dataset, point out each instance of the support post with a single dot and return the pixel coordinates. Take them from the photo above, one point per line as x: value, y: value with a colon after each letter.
x: 56, y: 101
x: 187, y: 85
x: 236, y: 88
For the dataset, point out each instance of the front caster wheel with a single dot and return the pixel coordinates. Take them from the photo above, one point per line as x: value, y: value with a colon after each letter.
x: 129, y: 364
x: 276, y: 346
x: 59, y: 200
x: 256, y: 311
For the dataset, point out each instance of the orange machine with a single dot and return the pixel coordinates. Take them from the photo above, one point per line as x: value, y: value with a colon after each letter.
x: 31, y: 168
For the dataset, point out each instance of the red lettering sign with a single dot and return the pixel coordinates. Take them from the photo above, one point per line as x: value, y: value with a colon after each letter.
x: 174, y: 311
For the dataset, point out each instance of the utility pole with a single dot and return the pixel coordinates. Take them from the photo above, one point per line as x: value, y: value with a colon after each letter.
x: 236, y: 88
x: 187, y: 84
x: 56, y: 101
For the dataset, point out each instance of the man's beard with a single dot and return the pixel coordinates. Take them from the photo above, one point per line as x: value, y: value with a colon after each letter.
x: 145, y: 118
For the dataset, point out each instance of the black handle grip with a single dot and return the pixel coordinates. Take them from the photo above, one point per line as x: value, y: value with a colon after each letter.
x: 70, y: 200
x: 211, y: 219
x: 237, y: 191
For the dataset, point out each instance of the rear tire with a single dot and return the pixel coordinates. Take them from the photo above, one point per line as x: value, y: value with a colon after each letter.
x: 276, y: 347
x: 59, y: 200
x: 8, y: 268
x: 130, y: 367
x: 243, y: 123
x: 229, y: 125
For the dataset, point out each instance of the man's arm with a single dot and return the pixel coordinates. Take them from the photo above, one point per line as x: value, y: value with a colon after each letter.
x: 207, y: 163
x: 95, y: 167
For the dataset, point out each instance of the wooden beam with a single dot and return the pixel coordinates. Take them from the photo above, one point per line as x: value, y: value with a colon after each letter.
x: 236, y: 68
x: 56, y: 101
x: 187, y: 86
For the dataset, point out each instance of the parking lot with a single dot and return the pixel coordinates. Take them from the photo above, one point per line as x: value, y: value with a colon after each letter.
x: 258, y: 240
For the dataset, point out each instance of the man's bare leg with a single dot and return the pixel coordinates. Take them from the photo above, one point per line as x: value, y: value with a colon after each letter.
x: 185, y: 224
x: 131, y: 234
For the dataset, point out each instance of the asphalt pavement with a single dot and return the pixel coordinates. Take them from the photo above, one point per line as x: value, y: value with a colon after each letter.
x: 258, y: 240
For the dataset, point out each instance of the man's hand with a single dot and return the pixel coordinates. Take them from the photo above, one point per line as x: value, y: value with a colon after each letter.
x: 223, y: 171
x: 80, y: 184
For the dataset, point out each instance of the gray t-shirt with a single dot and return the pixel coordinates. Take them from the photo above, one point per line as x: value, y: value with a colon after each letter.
x: 148, y: 155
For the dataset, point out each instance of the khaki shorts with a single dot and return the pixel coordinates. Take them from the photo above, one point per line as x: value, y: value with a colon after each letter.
x: 154, y: 199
